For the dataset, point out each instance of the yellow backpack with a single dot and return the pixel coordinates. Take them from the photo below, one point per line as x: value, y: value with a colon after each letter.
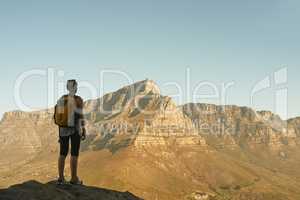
x: 65, y: 110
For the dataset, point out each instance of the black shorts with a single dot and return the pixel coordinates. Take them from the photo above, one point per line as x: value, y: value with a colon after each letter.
x: 75, y: 144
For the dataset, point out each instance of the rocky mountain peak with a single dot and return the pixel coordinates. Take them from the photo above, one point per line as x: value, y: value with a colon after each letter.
x: 146, y: 86
x: 267, y: 115
x: 120, y: 100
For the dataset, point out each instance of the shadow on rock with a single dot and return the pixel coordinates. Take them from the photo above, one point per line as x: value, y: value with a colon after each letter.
x: 33, y: 190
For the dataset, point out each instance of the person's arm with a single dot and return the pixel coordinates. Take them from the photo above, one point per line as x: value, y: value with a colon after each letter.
x: 81, y: 119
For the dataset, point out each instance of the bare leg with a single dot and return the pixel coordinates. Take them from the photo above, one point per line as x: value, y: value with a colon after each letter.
x: 74, y: 165
x: 61, y: 167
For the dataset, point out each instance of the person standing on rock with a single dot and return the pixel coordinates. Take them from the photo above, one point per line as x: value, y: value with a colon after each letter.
x: 68, y: 115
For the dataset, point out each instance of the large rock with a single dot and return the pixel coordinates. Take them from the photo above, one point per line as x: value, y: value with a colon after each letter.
x: 33, y: 190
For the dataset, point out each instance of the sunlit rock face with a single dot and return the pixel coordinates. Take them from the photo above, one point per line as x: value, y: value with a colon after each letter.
x: 116, y: 102
x: 23, y: 135
x: 141, y: 110
x: 240, y: 126
x: 27, y: 130
x: 140, y: 115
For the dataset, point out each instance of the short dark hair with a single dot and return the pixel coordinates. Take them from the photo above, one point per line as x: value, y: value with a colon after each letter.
x: 71, y: 82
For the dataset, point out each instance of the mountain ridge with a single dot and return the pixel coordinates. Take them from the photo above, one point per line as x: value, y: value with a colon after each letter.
x: 142, y: 87
x: 142, y: 107
x: 147, y: 144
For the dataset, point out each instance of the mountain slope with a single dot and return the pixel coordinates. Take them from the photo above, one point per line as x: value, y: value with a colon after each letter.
x: 141, y: 141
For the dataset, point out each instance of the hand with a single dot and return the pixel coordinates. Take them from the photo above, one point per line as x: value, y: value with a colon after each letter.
x: 83, y: 134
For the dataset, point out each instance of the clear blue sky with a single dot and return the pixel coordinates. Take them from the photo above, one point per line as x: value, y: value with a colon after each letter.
x: 220, y: 41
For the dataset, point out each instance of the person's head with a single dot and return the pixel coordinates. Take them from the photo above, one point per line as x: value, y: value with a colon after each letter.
x: 72, y: 86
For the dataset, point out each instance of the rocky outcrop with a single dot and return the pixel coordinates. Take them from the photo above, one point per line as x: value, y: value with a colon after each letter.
x: 235, y: 126
x: 38, y: 191
x: 294, y: 126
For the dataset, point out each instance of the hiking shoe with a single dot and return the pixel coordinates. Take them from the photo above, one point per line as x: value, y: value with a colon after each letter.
x: 77, y: 182
x: 61, y: 181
